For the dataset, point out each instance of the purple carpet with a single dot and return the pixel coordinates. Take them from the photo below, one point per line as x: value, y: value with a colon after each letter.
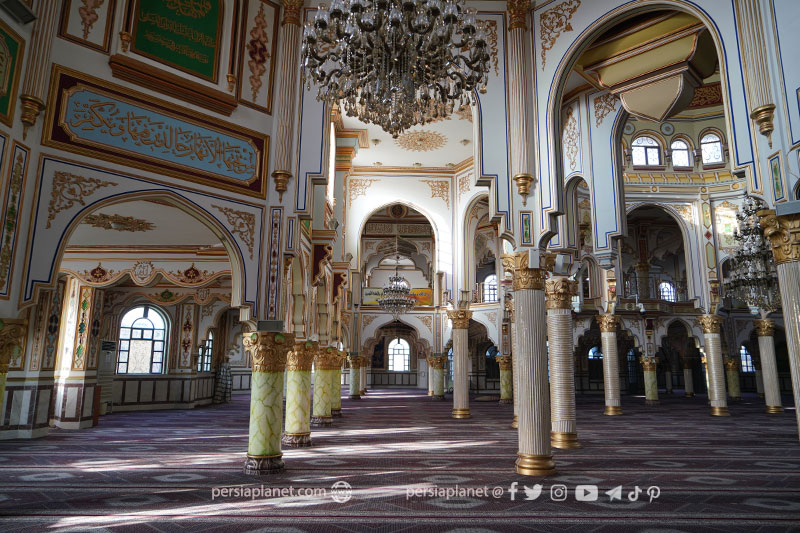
x: 157, y: 471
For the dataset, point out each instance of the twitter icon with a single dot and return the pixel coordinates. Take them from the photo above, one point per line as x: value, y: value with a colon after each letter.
x: 532, y: 493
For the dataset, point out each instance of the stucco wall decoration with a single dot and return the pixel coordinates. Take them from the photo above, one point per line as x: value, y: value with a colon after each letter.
x: 99, y: 119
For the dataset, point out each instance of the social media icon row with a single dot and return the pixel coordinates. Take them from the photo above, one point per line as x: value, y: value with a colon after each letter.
x: 583, y: 493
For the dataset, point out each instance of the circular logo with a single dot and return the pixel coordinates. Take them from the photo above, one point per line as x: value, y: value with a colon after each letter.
x: 341, y: 492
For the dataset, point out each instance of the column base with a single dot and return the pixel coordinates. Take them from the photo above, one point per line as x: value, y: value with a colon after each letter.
x: 652, y: 403
x: 515, y: 422
x: 355, y: 396
x: 774, y: 409
x: 719, y: 411
x: 435, y: 397
x: 336, y: 413
x: 535, y: 465
x: 564, y: 441
x: 430, y: 393
x: 506, y: 401
x: 689, y: 395
x: 296, y: 440
x: 321, y: 421
x: 259, y: 465
x: 461, y: 413
x: 612, y: 410
x: 362, y: 392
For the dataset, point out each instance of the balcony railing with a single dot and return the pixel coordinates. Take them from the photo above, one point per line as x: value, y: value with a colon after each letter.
x: 657, y: 288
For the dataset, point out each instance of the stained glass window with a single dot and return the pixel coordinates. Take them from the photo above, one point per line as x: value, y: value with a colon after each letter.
x: 747, y: 360
x: 666, y: 291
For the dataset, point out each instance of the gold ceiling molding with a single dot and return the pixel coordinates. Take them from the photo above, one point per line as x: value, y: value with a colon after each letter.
x: 653, y: 67
x: 554, y: 22
x: 118, y: 222
x: 421, y: 141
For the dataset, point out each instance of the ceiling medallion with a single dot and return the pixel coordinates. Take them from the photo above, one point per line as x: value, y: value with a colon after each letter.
x: 118, y: 222
x: 421, y: 141
x: 396, y: 63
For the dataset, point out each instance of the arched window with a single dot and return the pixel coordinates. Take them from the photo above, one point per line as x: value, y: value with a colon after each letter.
x: 711, y: 148
x: 747, y: 360
x: 666, y: 291
x: 205, y: 355
x: 399, y: 356
x: 595, y: 353
x: 142, y: 341
x: 490, y: 288
x: 680, y: 154
x: 646, y: 152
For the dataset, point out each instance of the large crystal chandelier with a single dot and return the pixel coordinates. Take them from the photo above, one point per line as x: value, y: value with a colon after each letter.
x: 753, y: 278
x: 396, y: 298
x: 395, y: 63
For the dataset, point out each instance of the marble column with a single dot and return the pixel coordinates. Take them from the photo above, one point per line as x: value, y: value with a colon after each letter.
x: 759, y: 379
x: 324, y: 367
x: 506, y: 387
x: 514, y: 370
x: 430, y: 374
x: 436, y: 367
x: 716, y: 369
x: 297, y: 431
x: 33, y: 91
x: 534, y: 457
x: 355, y: 376
x: 765, y: 329
x: 559, y: 292
x: 650, y: 380
x: 268, y: 352
x: 460, y: 319
x: 336, y: 386
x: 732, y: 375
x: 363, y: 376
x: 688, y: 378
x: 784, y: 234
x: 608, y: 338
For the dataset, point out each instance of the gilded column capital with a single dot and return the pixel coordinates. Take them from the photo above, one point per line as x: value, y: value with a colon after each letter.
x: 783, y: 233
x: 765, y: 327
x: 559, y: 293
x: 460, y: 318
x: 291, y: 11
x: 648, y: 363
x: 268, y: 349
x: 327, y: 359
x: 504, y: 362
x: 12, y: 341
x: 436, y: 361
x: 731, y: 363
x: 608, y: 322
x: 710, y: 323
x: 518, y: 13
x: 355, y: 361
x: 301, y: 356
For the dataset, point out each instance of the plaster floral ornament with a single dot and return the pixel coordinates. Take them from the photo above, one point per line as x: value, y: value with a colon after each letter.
x: 421, y: 141
x: 142, y: 271
x: 117, y: 222
x: 258, y: 52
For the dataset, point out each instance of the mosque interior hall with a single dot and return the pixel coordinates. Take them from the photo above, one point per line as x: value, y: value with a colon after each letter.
x: 399, y: 265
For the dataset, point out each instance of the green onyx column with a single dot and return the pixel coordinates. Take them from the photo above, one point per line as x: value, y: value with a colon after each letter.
x: 506, y: 387
x: 297, y: 432
x: 650, y: 380
x: 336, y: 400
x: 268, y: 352
x: 436, y: 367
x: 324, y: 367
x: 355, y: 377
x: 732, y: 375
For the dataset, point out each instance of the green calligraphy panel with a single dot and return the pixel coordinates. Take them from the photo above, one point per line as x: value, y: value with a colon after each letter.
x: 11, y: 46
x: 184, y: 34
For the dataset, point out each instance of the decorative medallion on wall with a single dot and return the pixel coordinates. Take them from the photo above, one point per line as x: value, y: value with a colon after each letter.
x: 421, y: 141
x: 554, y: 22
x: 98, y: 274
x: 118, y: 222
x: 629, y: 128
x: 667, y: 128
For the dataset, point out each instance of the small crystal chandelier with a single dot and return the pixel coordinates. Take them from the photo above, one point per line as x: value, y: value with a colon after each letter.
x: 753, y: 278
x: 395, y: 63
x: 396, y: 299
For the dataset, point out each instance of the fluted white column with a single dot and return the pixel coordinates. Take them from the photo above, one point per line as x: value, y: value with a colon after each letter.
x: 460, y: 319
x: 559, y: 292
x: 716, y: 368
x: 784, y: 234
x: 37, y: 69
x: 769, y: 369
x: 514, y: 370
x: 608, y: 339
x: 534, y: 457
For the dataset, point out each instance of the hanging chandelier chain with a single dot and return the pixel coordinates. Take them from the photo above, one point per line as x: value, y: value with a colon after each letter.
x: 395, y: 63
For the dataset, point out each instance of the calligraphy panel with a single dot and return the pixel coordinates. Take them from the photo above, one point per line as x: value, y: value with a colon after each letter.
x: 11, y: 48
x: 87, y: 23
x: 258, y: 46
x: 184, y: 34
x: 107, y: 121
